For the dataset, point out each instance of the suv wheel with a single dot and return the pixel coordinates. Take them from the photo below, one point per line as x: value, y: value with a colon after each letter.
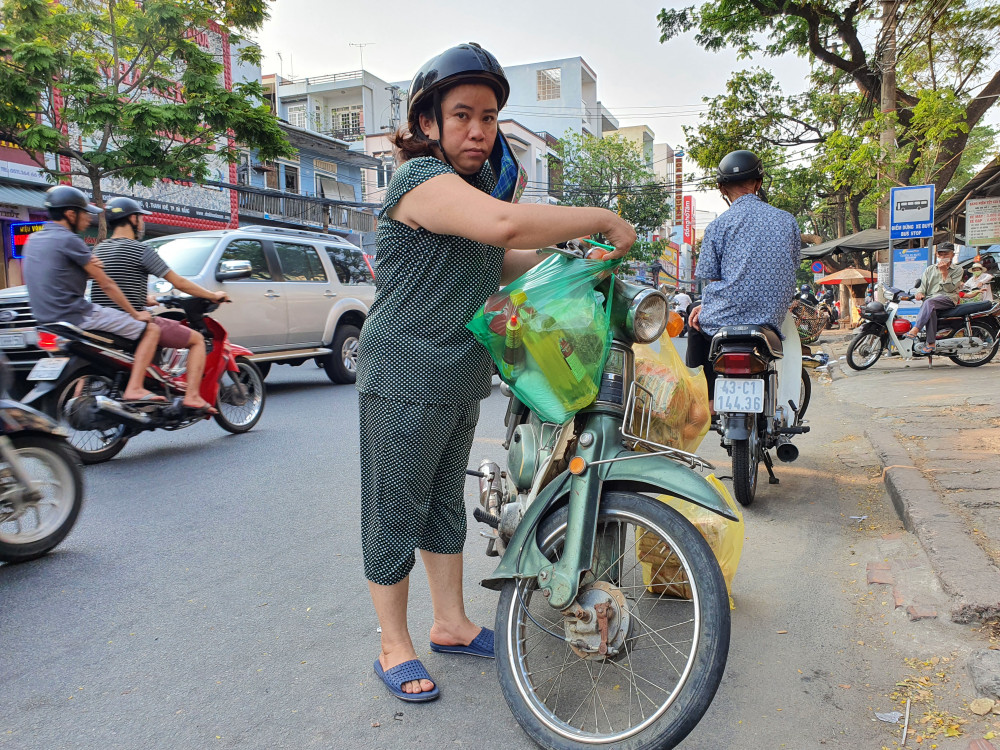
x: 341, y: 364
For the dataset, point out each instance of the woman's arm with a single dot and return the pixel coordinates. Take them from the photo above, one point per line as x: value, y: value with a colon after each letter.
x: 447, y: 204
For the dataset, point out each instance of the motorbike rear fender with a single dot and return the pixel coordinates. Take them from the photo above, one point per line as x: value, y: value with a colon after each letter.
x: 44, y: 387
x: 737, y: 427
x: 648, y: 474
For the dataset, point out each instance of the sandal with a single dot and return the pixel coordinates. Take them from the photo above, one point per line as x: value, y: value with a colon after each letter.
x: 408, y: 671
x: 482, y: 645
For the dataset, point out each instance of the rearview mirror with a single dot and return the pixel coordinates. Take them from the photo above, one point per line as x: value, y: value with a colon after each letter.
x: 916, y: 284
x: 230, y: 270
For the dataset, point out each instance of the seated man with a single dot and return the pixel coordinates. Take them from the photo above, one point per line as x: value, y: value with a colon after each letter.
x: 57, y: 263
x: 939, y: 286
x: 748, y: 257
x: 129, y: 263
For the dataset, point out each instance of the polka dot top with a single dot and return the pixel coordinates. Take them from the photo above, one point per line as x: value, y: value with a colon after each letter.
x: 414, y: 345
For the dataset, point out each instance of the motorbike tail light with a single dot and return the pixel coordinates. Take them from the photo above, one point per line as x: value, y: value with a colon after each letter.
x: 47, y: 341
x: 739, y: 363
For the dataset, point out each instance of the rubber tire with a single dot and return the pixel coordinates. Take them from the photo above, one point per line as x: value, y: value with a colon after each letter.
x: 50, y: 406
x: 996, y: 344
x: 854, y: 342
x: 805, y: 393
x: 332, y: 362
x: 18, y: 553
x: 710, y: 661
x: 743, y: 488
x: 245, y: 365
x: 263, y: 368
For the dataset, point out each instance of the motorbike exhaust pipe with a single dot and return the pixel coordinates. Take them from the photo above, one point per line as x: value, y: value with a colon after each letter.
x: 111, y: 406
x: 786, y: 451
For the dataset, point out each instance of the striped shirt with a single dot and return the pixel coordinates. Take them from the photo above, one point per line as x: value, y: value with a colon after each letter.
x: 128, y: 263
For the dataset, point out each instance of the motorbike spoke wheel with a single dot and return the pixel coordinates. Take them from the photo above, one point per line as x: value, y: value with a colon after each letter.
x: 864, y: 351
x: 670, y: 655
x: 93, y: 446
x: 29, y: 530
x: 988, y: 336
x: 746, y: 462
x: 241, y: 398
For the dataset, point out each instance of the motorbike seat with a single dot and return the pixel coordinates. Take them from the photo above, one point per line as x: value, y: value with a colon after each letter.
x: 748, y: 334
x: 964, y: 311
x: 100, y: 338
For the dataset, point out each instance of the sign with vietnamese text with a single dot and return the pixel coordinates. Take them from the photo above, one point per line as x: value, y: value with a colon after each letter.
x: 911, y: 212
x: 689, y: 226
x: 982, y: 221
x: 908, y: 265
x: 19, y: 234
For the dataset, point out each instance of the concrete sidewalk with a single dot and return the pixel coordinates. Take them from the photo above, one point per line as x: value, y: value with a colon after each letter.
x: 935, y: 432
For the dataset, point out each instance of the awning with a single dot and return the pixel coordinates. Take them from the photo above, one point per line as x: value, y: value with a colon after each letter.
x: 869, y: 240
x: 19, y: 196
x: 333, y: 190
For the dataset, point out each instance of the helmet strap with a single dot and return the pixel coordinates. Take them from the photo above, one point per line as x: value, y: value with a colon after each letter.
x: 439, y: 119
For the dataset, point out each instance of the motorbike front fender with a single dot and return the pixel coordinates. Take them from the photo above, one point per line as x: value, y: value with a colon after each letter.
x: 647, y: 474
x: 16, y: 417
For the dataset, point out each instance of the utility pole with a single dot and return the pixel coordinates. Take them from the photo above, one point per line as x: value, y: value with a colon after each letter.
x: 394, y: 101
x: 361, y: 48
x: 888, y: 92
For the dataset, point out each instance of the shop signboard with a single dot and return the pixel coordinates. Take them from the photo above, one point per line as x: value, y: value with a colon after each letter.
x: 689, y: 228
x: 908, y: 265
x: 19, y: 234
x: 982, y: 221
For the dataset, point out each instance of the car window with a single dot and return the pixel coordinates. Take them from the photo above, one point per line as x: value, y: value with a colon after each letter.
x: 350, y: 265
x: 253, y: 251
x: 299, y: 262
x: 185, y: 255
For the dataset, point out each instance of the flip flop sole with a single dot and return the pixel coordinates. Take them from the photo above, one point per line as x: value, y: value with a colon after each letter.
x: 465, y: 650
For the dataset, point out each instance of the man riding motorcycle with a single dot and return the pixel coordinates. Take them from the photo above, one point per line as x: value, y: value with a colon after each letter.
x: 129, y: 263
x: 57, y: 264
x: 939, y: 287
x: 748, y: 258
x: 807, y: 296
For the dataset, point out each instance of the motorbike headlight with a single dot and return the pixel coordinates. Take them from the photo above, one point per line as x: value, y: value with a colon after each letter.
x: 162, y: 286
x: 647, y: 316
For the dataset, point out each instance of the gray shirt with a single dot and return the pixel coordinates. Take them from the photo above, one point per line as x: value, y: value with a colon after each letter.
x: 54, y: 258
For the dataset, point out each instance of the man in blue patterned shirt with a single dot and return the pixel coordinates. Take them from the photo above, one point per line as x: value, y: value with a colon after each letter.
x: 748, y: 257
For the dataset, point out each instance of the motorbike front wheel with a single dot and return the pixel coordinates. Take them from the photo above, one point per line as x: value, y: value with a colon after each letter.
x: 864, y: 350
x: 31, y: 529
x: 241, y: 398
x: 667, y: 637
x: 746, y: 462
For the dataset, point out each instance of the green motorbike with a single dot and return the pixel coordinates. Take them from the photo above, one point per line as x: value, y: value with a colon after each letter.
x: 612, y: 628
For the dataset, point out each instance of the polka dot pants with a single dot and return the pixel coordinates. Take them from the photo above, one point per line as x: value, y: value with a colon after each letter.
x: 413, y: 461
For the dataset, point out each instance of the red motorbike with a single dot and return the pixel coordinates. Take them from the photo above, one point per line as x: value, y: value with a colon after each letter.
x: 83, y: 391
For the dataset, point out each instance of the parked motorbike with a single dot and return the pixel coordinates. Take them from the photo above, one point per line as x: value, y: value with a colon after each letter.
x: 587, y: 654
x: 761, y: 396
x: 84, y: 390
x: 968, y: 334
x: 41, y: 485
x: 826, y: 305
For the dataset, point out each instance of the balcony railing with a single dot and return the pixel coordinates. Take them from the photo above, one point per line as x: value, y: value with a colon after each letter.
x: 301, y: 209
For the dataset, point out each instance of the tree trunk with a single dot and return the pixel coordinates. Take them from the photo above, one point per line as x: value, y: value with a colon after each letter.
x: 98, y: 198
x: 854, y: 204
x: 841, y: 213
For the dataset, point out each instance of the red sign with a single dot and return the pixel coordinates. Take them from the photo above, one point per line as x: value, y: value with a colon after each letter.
x: 689, y: 227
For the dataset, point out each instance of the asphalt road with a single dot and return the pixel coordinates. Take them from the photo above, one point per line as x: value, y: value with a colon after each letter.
x: 211, y: 596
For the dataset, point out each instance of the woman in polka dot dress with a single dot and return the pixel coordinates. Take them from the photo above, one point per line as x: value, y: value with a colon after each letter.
x: 443, y: 237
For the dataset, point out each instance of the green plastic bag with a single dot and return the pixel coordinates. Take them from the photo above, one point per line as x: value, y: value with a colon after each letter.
x: 549, y: 333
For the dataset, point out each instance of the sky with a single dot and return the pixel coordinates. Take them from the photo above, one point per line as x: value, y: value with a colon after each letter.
x: 642, y: 81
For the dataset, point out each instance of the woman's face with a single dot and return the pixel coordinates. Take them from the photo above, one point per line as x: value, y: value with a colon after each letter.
x: 470, y: 126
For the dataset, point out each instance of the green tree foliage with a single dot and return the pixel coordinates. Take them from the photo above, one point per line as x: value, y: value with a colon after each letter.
x: 611, y: 173
x: 947, y: 79
x: 126, y: 89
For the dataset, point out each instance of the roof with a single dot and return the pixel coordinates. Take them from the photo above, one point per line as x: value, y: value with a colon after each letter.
x: 867, y: 241
x: 22, y: 196
x: 326, y: 145
x: 986, y: 184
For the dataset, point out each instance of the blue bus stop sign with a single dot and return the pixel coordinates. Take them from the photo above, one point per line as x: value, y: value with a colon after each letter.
x: 911, y: 212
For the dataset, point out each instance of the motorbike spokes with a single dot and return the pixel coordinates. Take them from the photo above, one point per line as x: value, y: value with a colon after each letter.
x: 981, y: 354
x: 24, y: 522
x: 648, y: 637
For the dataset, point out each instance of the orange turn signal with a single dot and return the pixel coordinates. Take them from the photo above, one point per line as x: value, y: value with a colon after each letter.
x: 675, y: 324
x: 577, y: 465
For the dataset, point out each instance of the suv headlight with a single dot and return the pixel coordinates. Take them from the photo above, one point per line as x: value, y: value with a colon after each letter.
x: 647, y: 316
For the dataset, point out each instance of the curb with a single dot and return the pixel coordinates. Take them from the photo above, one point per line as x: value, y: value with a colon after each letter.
x: 965, y: 572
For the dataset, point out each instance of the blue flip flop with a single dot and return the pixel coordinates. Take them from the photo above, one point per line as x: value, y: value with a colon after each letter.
x: 406, y: 672
x: 482, y: 645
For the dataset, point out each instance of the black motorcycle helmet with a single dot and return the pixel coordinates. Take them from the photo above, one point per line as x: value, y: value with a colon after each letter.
x: 874, y: 307
x: 739, y: 166
x: 119, y: 209
x: 61, y: 198
x: 466, y: 63
x: 804, y: 289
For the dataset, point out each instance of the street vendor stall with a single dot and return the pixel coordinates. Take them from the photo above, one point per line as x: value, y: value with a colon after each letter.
x: 849, y: 279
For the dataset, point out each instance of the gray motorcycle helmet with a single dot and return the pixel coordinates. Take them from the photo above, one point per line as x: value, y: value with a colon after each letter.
x: 64, y: 197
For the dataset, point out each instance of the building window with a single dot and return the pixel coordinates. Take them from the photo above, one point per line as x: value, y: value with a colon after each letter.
x: 297, y: 115
x: 291, y: 179
x: 384, y: 172
x: 549, y: 84
x: 270, y: 175
x: 243, y: 169
x: 348, y: 122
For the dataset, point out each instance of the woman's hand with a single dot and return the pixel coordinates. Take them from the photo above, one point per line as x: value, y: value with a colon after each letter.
x: 693, y: 318
x: 621, y: 235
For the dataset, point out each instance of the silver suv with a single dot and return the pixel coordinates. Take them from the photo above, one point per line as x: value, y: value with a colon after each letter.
x: 306, y: 297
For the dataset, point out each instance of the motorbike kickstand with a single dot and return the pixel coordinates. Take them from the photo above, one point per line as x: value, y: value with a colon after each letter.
x: 769, y: 465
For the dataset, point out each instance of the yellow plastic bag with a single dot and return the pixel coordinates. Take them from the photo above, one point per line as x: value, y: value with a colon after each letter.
x: 680, y: 417
x: 661, y: 570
